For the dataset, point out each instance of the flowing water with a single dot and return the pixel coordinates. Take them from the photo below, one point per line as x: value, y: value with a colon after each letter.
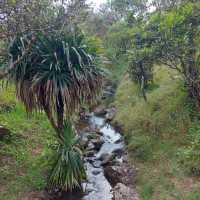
x: 97, y: 187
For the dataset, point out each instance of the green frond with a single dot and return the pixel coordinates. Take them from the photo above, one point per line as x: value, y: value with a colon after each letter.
x: 58, y: 70
x: 68, y: 170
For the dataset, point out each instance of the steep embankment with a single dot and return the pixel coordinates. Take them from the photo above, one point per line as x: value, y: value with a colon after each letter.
x: 24, y: 151
x: 156, y: 133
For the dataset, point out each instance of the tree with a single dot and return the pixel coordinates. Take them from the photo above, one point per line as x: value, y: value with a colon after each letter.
x: 47, y: 57
x: 56, y: 73
x: 21, y: 16
x: 172, y: 39
x: 123, y: 7
x: 25, y: 16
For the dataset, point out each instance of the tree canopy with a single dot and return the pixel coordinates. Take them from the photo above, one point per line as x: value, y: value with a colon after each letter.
x: 171, y: 38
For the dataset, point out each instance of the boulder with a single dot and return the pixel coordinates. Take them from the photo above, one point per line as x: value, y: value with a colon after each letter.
x: 97, y: 143
x: 106, y: 158
x: 123, y: 192
x: 96, y: 164
x: 119, y: 174
x: 112, y: 175
x: 4, y: 133
x: 100, y: 111
x: 118, y: 127
x: 89, y: 153
x: 90, y: 146
x: 111, y: 112
x: 84, y: 141
x: 119, y: 152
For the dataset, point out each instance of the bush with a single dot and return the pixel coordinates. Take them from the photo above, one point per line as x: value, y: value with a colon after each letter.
x: 141, y: 146
x: 68, y: 170
x: 190, y: 155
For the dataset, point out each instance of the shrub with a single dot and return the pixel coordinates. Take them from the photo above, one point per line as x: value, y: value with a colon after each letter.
x: 190, y: 155
x: 141, y: 146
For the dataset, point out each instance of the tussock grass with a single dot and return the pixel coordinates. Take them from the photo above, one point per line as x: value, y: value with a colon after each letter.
x: 154, y: 131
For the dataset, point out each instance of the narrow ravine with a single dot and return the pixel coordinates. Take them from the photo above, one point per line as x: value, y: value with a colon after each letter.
x: 105, y: 160
x: 98, y: 186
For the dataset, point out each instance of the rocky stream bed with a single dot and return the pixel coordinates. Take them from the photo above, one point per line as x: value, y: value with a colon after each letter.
x: 109, y: 176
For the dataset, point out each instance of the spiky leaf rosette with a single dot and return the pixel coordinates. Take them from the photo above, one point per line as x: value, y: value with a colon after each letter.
x: 56, y: 72
x: 68, y: 170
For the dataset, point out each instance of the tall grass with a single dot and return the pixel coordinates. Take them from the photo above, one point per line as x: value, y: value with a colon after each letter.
x: 155, y: 131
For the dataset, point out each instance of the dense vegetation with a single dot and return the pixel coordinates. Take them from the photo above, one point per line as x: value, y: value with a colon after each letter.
x: 53, y: 55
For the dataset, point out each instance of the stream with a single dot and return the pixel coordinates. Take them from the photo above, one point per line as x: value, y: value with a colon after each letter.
x: 97, y: 187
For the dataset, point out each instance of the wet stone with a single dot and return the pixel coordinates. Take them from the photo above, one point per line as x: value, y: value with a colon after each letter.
x: 123, y: 192
x: 96, y: 172
x: 4, y: 133
x: 96, y: 164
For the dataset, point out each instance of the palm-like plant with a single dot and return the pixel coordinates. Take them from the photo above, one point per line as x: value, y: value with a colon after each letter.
x: 68, y: 169
x: 56, y: 74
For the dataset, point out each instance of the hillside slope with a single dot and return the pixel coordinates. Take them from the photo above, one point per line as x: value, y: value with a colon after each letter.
x: 156, y: 132
x: 24, y: 153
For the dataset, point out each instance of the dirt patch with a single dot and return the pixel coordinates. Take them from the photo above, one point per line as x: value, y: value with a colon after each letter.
x: 36, y: 196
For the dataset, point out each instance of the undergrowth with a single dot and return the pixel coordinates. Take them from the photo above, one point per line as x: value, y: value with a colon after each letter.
x: 24, y: 154
x: 159, y: 139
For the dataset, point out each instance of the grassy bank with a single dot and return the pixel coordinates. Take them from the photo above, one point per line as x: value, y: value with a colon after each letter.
x: 24, y: 154
x: 156, y: 132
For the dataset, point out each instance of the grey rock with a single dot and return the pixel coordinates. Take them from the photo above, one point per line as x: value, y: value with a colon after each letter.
x: 4, y: 132
x: 89, y: 153
x: 120, y: 173
x: 106, y: 158
x: 122, y: 192
x: 96, y: 172
x: 111, y: 112
x: 97, y: 143
x: 84, y: 141
x: 100, y: 111
x: 96, y: 164
x: 90, y: 146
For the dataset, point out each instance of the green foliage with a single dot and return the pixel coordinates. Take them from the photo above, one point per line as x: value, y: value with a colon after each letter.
x: 169, y: 38
x: 155, y: 132
x: 24, y: 163
x: 147, y: 191
x: 57, y: 73
x: 151, y: 117
x: 141, y: 68
x: 68, y: 169
x: 122, y: 7
x: 118, y: 38
x: 190, y: 155
x: 95, y: 45
x: 117, y: 43
x: 57, y: 70
x: 141, y: 147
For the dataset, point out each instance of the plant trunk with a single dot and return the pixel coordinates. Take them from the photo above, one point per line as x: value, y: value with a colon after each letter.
x: 193, y: 81
x: 60, y: 116
x: 192, y: 72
